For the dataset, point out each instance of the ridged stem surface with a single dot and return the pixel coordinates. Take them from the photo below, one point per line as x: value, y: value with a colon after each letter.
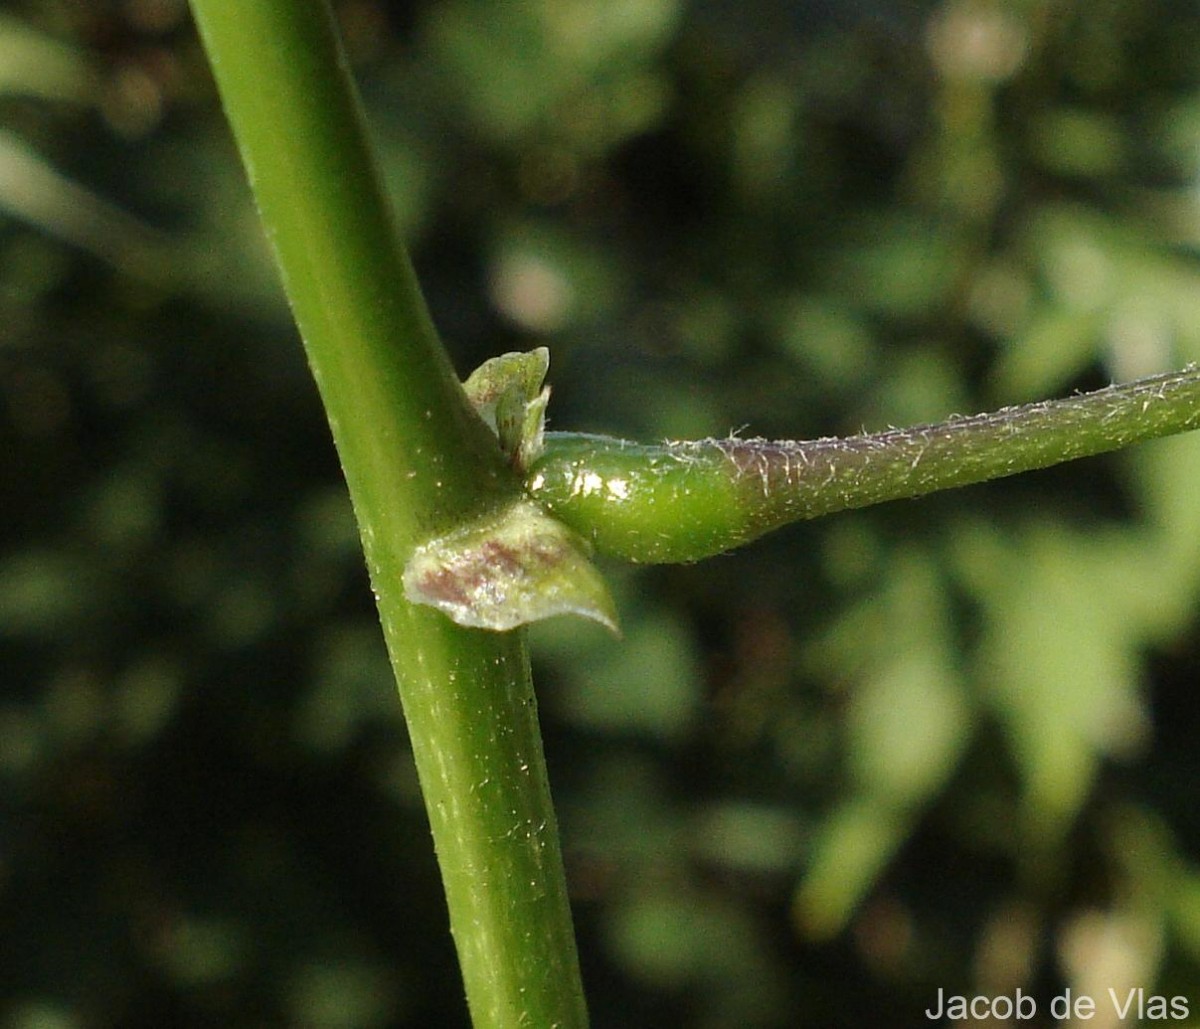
x: 418, y: 461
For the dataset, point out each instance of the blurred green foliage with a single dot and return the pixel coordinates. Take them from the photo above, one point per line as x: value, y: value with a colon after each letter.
x: 941, y: 744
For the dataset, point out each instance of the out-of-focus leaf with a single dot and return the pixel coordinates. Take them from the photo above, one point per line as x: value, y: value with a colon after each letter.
x: 37, y: 64
x: 1059, y: 658
x: 515, y: 68
x: 1077, y: 142
x: 648, y: 685
x: 32, y: 190
x: 40, y: 590
x: 851, y: 850
x: 1056, y: 346
x: 907, y: 726
x: 898, y: 266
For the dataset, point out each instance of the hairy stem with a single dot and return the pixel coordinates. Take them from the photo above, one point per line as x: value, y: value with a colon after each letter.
x: 682, y: 501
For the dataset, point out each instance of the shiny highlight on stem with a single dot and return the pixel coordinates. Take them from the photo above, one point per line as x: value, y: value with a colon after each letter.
x: 683, y: 501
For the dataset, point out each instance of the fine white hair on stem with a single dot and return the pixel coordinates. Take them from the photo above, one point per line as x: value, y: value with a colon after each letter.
x: 684, y: 500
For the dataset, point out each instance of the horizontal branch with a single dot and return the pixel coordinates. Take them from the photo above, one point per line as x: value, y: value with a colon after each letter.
x: 682, y: 501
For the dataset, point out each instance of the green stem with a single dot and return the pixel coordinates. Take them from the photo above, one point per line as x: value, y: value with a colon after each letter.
x: 418, y: 461
x: 686, y: 501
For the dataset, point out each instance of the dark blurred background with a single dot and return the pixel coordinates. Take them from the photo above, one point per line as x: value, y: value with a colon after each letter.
x: 945, y: 744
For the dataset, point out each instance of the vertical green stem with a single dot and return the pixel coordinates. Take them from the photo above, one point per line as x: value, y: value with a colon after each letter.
x: 417, y: 461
